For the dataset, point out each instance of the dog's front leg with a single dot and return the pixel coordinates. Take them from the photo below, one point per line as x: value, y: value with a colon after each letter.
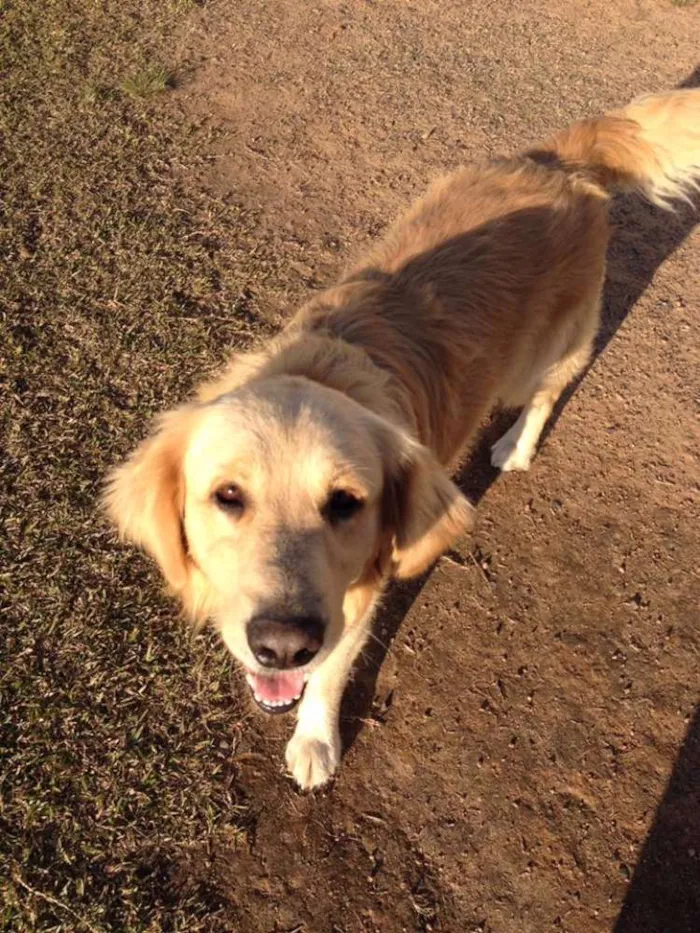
x: 313, y: 752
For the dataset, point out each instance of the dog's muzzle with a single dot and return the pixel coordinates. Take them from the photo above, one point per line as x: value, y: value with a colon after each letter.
x: 283, y: 645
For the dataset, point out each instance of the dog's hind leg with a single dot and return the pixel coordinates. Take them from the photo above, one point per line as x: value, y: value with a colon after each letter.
x: 515, y: 450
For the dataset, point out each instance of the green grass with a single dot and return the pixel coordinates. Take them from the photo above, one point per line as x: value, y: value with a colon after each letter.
x: 150, y: 81
x: 120, y: 288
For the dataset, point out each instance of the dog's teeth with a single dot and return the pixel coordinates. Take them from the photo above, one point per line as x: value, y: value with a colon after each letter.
x: 273, y: 704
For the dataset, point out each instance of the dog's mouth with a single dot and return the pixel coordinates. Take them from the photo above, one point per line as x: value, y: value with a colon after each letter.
x: 279, y: 692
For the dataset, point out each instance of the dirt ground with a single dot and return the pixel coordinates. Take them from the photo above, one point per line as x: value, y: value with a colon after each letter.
x: 525, y: 754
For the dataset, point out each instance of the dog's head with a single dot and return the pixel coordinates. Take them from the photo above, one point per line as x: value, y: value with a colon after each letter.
x: 271, y: 507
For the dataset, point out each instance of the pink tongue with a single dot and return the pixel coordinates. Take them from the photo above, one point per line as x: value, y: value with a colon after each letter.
x: 279, y: 688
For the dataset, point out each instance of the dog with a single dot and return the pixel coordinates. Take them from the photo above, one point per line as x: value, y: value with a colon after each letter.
x: 281, y: 500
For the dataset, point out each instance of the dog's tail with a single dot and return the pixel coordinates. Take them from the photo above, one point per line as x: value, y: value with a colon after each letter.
x: 651, y: 146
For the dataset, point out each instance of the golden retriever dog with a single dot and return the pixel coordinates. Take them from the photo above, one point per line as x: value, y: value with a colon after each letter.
x: 280, y: 502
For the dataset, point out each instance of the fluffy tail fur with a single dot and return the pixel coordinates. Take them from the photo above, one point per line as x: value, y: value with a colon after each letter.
x: 651, y: 146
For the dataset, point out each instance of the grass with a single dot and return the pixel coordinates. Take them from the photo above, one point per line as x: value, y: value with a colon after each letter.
x: 117, y: 728
x: 150, y: 81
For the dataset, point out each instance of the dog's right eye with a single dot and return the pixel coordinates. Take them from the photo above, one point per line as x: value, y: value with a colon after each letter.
x: 229, y: 498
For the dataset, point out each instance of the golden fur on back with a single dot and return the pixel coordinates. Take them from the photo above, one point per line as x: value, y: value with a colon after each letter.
x: 486, y: 292
x: 450, y: 309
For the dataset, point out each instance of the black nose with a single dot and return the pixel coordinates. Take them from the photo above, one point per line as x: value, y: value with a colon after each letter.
x: 285, y: 643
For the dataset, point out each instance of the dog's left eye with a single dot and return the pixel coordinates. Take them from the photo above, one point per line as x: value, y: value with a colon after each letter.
x: 341, y: 506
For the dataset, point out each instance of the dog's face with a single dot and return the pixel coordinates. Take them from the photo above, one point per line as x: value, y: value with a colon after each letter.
x: 271, y: 507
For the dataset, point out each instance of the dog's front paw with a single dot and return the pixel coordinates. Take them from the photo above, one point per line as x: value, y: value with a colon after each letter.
x: 312, y: 759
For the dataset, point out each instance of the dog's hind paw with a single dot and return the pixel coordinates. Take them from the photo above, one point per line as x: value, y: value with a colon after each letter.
x: 312, y: 760
x: 507, y: 454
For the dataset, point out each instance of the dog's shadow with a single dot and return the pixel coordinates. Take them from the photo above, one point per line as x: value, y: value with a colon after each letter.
x: 643, y: 237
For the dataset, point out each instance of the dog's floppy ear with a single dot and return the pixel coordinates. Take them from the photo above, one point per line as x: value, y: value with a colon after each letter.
x: 145, y: 498
x: 425, y: 509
